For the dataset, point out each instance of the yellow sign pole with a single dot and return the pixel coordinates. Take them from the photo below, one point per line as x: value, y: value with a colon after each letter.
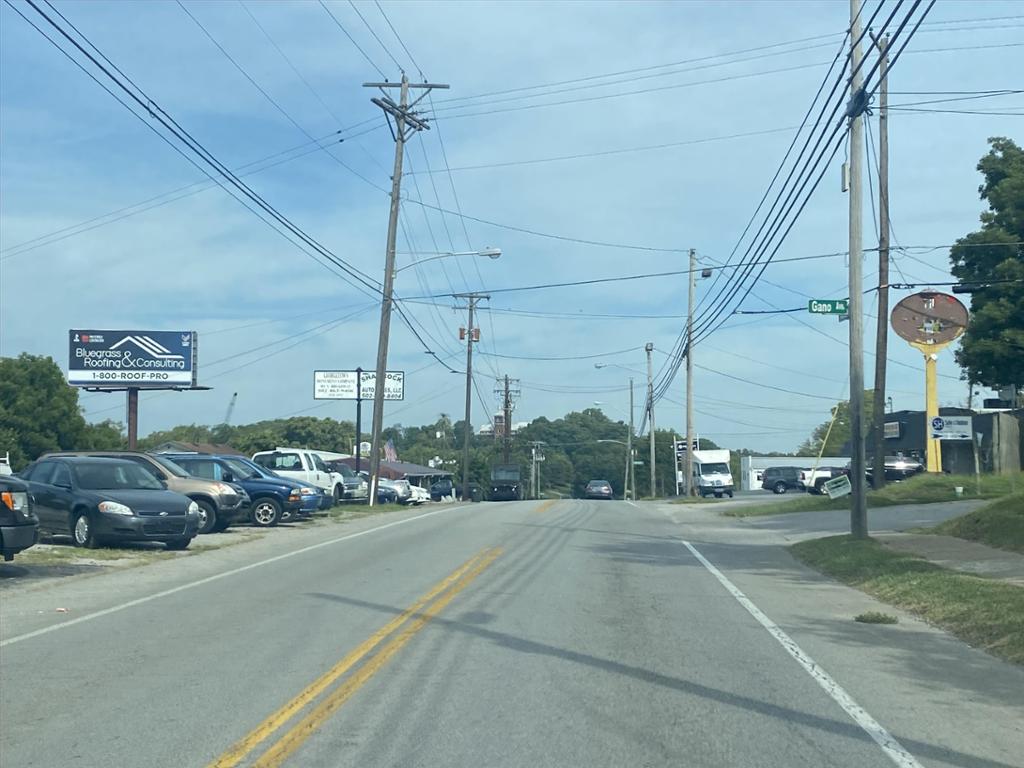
x: 931, y: 402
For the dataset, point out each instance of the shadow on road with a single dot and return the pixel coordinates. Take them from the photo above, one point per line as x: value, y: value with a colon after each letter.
x: 788, y: 715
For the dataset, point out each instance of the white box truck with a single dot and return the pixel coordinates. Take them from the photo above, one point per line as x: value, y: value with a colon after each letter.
x: 711, y: 474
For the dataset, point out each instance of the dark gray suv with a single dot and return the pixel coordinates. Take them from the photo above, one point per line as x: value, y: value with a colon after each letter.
x: 780, y: 479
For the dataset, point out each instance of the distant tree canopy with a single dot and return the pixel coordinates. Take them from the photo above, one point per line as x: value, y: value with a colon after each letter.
x: 39, y: 412
x: 838, y: 433
x: 992, y: 350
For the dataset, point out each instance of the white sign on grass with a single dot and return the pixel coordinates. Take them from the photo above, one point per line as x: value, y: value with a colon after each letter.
x: 838, y: 486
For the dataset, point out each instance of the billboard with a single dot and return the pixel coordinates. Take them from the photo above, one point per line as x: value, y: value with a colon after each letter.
x: 341, y: 385
x: 119, y: 359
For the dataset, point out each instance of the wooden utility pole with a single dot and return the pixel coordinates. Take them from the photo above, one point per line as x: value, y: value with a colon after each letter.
x: 472, y: 335
x: 650, y: 411
x: 688, y: 463
x: 626, y: 485
x: 855, y: 112
x: 400, y: 118
x: 882, y: 330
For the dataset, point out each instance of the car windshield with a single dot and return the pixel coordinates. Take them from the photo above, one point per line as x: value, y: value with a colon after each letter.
x: 716, y: 468
x: 120, y: 475
x: 240, y: 469
x: 175, y: 469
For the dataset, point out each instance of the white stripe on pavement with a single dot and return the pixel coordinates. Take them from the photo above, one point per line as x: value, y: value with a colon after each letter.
x: 216, y: 577
x: 892, y: 748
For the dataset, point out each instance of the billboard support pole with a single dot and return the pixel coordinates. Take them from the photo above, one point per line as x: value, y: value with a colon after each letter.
x: 133, y: 418
x: 359, y: 416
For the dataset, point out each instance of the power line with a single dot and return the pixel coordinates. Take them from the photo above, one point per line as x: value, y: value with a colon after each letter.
x: 564, y: 357
x: 319, y: 253
x: 398, y: 37
x: 352, y: 40
x: 375, y: 37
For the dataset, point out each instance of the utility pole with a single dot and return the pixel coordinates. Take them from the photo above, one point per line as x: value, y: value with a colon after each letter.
x: 688, y: 463
x: 649, y: 347
x: 882, y: 330
x: 508, y: 395
x: 471, y: 335
x: 626, y: 485
x: 855, y: 112
x: 400, y: 117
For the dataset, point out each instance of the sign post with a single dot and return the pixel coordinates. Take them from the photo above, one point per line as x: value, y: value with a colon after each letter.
x: 357, y: 385
x: 930, y: 322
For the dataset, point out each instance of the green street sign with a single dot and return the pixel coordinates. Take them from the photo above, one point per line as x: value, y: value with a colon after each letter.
x: 829, y: 306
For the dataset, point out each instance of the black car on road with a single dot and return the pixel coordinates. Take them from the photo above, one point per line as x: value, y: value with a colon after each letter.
x: 19, y: 526
x: 781, y: 479
x: 598, y: 489
x: 96, y: 500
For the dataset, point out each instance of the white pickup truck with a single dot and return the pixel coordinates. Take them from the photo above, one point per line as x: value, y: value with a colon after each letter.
x: 305, y: 466
x: 813, y: 480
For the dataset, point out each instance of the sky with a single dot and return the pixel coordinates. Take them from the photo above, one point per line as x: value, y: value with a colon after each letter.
x: 668, y: 158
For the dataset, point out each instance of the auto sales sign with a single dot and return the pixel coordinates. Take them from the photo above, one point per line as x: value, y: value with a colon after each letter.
x: 119, y: 359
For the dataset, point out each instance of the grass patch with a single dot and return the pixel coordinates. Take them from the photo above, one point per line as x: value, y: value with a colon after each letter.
x: 345, y: 512
x: 998, y: 524
x: 875, y: 617
x: 986, y: 613
x: 59, y: 554
x: 922, y: 489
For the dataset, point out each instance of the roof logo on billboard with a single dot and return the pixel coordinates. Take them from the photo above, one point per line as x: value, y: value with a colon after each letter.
x: 150, y: 346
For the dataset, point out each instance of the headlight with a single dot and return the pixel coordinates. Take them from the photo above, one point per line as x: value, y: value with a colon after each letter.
x: 115, y: 508
x: 226, y: 489
x: 307, y: 491
x: 193, y: 508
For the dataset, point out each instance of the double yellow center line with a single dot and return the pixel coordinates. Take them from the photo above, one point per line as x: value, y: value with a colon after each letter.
x: 410, y: 621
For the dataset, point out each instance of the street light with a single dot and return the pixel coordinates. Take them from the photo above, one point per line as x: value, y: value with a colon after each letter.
x: 490, y: 253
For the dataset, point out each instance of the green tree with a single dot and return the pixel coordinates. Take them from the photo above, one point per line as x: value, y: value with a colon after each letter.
x: 839, y: 435
x: 992, y: 350
x: 39, y: 412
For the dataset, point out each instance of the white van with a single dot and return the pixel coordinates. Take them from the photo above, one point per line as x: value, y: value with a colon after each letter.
x: 305, y: 466
x: 711, y: 473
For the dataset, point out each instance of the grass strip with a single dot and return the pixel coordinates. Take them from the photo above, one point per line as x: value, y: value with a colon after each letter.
x: 922, y: 489
x: 986, y: 613
x: 998, y: 524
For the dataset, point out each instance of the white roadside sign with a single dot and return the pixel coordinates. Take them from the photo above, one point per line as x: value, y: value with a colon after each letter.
x: 341, y: 385
x: 952, y: 427
x: 838, y: 486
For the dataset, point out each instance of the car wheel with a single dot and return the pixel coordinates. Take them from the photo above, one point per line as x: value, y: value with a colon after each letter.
x: 780, y: 487
x: 287, y: 516
x: 82, y: 532
x: 730, y: 494
x: 177, y: 545
x: 339, y: 494
x: 265, y: 513
x: 207, y: 517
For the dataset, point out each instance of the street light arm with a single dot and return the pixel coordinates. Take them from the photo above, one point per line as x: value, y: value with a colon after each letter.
x: 490, y: 253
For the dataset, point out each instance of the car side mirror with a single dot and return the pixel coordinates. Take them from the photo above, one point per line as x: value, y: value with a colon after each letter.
x: 228, y: 477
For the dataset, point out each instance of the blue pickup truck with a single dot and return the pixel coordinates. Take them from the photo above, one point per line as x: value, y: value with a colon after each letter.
x: 274, y: 499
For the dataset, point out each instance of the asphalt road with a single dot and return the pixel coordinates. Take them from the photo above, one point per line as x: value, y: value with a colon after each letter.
x: 523, y: 634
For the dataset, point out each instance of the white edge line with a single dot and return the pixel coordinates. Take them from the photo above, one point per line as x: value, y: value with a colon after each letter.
x: 892, y: 748
x: 215, y: 577
x: 631, y: 503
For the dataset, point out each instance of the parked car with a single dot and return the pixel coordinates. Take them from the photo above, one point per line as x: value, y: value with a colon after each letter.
x: 271, y: 499
x: 598, y: 489
x: 313, y: 498
x: 107, y: 499
x: 781, y: 479
x: 419, y: 494
x: 402, y: 488
x: 219, y: 503
x: 897, y: 468
x: 19, y: 526
x: 357, y: 488
x: 445, y: 488
x: 303, y: 465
